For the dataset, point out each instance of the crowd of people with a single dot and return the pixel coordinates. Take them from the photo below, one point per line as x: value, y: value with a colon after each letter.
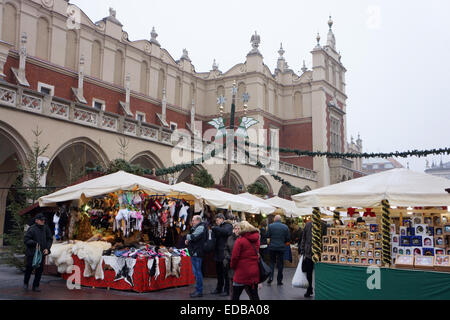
x: 237, y: 248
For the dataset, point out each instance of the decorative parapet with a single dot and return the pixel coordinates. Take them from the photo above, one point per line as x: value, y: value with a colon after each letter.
x: 85, y: 117
x: 109, y: 123
x: 8, y: 97
x: 129, y: 128
x: 59, y: 110
x: 32, y: 101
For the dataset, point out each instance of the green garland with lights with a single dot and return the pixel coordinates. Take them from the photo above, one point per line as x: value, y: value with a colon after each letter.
x: 398, y: 154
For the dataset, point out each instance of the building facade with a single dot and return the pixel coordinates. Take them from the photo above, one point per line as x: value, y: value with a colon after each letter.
x: 376, y: 165
x: 88, y: 87
x: 440, y: 170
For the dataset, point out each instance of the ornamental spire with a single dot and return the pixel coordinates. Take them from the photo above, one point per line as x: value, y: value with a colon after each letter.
x: 331, y: 40
x: 154, y: 35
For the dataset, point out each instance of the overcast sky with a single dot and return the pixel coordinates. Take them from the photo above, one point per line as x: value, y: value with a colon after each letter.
x: 396, y: 54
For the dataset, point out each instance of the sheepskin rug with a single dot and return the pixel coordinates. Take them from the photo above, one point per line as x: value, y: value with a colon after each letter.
x: 90, y: 252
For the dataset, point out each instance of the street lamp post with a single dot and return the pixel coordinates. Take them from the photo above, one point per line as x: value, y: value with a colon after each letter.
x: 218, y: 123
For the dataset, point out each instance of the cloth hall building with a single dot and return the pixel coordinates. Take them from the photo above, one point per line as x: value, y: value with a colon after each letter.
x: 88, y: 86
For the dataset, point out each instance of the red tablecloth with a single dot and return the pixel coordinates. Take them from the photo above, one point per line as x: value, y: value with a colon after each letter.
x: 141, y: 277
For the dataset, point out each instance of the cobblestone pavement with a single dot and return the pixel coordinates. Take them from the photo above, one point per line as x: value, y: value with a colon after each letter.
x: 54, y: 288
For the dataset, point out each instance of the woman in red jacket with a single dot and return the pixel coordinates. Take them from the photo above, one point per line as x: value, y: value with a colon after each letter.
x: 244, y: 262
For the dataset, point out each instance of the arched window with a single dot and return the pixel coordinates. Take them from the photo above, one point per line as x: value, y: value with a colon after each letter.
x: 9, y: 24
x: 43, y: 39
x: 178, y: 86
x: 96, y: 60
x: 161, y: 83
x: 71, y: 50
x: 118, y: 68
x: 144, y: 77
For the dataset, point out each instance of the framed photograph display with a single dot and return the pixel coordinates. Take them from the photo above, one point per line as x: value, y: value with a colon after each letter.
x: 335, y: 240
x: 417, y: 219
x: 442, y: 263
x: 438, y: 231
x: 403, y: 231
x: 420, y: 229
x: 428, y: 221
x: 344, y: 242
x: 417, y: 251
x: 447, y: 229
x: 373, y: 228
x: 416, y: 241
x: 428, y: 251
x: 405, y: 241
x: 325, y: 258
x: 333, y: 258
x: 394, y: 251
x: 428, y: 241
x: 395, y: 239
x: 401, y: 250
x: 424, y: 262
x: 371, y: 261
x: 393, y: 228
x: 349, y: 260
x: 378, y: 262
x: 439, y: 242
x: 408, y: 251
x: 326, y: 240
x: 430, y: 231
x: 439, y: 252
x: 345, y: 252
x: 343, y: 259
x: 404, y: 261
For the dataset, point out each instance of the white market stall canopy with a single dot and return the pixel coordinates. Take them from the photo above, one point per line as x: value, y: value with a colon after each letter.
x: 212, y: 198
x: 289, y: 207
x: 401, y: 187
x: 259, y: 206
x: 100, y: 186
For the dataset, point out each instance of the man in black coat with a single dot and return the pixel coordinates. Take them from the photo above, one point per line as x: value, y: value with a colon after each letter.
x: 222, y: 231
x: 38, y: 234
x: 195, y: 241
x: 279, y: 236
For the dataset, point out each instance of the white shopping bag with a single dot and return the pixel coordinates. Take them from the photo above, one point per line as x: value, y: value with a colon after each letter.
x: 299, y: 280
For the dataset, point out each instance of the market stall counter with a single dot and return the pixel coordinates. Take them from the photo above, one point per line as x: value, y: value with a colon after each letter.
x: 141, y: 279
x: 343, y: 282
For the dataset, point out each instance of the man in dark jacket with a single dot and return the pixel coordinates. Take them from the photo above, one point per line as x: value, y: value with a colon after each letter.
x: 222, y: 231
x: 195, y: 241
x: 279, y: 236
x: 306, y: 250
x: 38, y: 234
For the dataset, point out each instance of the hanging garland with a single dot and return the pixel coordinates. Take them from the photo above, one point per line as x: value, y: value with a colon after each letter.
x: 403, y: 154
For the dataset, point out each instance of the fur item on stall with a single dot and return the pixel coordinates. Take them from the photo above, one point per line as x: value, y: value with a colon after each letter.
x: 61, y: 256
x: 84, y: 228
x: 91, y: 253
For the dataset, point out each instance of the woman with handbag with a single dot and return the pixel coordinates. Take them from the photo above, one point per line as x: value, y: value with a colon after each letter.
x: 38, y: 241
x: 245, y: 262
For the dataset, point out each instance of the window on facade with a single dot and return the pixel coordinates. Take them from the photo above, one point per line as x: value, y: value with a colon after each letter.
x: 173, y: 126
x: 335, y: 132
x: 98, y: 104
x: 140, y: 116
x: 46, y: 88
